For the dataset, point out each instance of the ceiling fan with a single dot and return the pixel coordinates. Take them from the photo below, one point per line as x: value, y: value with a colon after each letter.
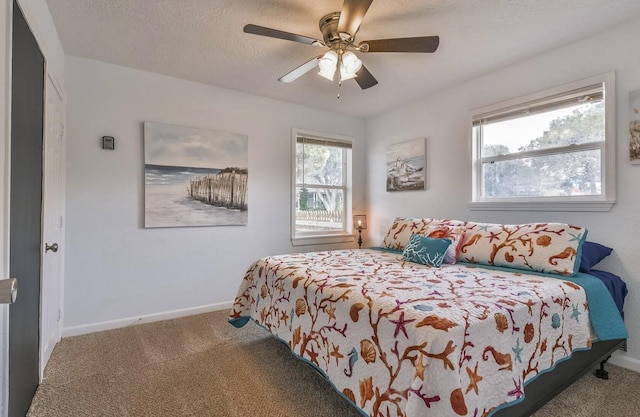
x: 339, y: 34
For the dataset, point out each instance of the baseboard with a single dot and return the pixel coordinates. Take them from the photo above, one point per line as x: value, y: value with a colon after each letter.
x: 622, y: 359
x: 147, y: 318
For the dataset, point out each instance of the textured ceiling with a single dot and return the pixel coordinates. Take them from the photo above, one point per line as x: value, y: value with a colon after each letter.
x: 203, y: 41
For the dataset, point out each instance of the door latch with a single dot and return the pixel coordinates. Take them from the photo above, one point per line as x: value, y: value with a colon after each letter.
x: 8, y: 291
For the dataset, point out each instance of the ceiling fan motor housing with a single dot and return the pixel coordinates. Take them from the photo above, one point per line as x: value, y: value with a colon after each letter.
x: 329, y: 28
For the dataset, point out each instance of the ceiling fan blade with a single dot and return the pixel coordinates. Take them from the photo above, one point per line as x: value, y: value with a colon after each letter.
x: 351, y: 16
x: 274, y: 33
x: 300, y: 71
x: 365, y: 79
x: 419, y: 44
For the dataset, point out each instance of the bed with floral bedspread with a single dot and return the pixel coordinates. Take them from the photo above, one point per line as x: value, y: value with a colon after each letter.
x: 399, y: 338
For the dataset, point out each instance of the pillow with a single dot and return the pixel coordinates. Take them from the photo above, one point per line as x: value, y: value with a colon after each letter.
x: 403, y: 227
x: 553, y: 248
x: 425, y: 250
x: 454, y: 233
x: 592, y: 253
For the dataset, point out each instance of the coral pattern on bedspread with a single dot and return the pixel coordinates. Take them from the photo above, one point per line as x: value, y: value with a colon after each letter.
x: 404, y: 339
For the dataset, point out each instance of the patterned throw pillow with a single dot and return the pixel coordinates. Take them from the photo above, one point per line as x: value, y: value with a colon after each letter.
x: 425, y: 250
x: 454, y: 233
x: 403, y: 227
x: 543, y: 247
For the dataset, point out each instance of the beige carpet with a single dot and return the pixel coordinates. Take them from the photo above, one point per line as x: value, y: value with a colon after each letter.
x: 202, y: 366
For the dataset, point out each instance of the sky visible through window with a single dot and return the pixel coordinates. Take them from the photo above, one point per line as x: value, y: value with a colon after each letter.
x: 519, y: 132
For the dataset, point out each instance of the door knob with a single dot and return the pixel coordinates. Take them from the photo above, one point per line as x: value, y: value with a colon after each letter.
x: 52, y: 248
x: 8, y: 291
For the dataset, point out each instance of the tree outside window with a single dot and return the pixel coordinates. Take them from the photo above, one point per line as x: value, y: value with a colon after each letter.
x: 321, y: 166
x: 550, y: 150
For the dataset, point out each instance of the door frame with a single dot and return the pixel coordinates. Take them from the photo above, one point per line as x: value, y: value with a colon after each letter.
x: 6, y: 23
x: 6, y: 28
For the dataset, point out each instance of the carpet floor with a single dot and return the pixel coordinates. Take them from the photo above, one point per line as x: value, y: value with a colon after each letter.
x: 202, y: 366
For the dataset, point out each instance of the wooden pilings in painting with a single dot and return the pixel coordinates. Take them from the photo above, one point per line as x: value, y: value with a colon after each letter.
x: 227, y: 189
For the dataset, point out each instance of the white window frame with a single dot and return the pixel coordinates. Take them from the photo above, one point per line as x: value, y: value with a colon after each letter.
x: 324, y: 237
x: 602, y: 202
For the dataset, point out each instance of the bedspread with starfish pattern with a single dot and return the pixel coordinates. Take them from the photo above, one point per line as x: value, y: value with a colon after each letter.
x: 403, y: 339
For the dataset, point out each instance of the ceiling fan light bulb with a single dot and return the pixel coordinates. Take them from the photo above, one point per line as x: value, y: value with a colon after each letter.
x: 328, y: 60
x: 351, y: 62
x: 328, y: 65
x: 349, y: 66
x: 328, y: 74
x: 345, y: 74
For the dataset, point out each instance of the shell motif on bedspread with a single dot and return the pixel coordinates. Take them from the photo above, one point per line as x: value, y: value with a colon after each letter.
x: 403, y: 339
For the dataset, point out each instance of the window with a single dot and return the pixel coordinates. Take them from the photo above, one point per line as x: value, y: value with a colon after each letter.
x: 321, y: 191
x: 550, y: 151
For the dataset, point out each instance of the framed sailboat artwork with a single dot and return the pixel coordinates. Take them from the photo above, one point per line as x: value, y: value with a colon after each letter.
x: 407, y: 165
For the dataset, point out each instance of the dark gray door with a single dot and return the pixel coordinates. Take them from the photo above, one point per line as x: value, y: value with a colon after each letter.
x: 27, y: 110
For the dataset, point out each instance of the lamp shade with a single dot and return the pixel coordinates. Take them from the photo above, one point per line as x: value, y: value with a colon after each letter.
x: 349, y: 66
x: 328, y: 64
x: 360, y: 221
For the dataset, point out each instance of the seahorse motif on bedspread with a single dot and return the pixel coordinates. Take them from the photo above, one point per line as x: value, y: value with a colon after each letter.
x: 502, y: 359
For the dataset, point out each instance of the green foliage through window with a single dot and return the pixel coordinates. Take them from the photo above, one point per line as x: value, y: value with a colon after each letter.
x: 320, y: 188
x: 555, y: 151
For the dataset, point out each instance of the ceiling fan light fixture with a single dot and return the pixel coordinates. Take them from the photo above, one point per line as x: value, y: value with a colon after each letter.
x: 349, y: 66
x: 345, y: 75
x: 328, y: 64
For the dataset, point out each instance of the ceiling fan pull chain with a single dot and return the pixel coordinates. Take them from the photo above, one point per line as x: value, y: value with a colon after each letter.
x: 340, y: 79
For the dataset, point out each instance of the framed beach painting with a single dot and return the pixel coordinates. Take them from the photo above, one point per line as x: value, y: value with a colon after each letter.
x: 194, y: 177
x: 634, y: 127
x: 406, y: 165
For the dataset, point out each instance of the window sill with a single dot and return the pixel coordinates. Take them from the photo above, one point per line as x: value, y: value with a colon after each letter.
x: 322, y: 239
x: 604, y: 205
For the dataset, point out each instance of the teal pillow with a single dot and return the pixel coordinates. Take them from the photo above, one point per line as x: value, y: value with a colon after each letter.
x: 425, y: 250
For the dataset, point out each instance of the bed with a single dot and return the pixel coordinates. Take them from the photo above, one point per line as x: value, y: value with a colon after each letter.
x: 478, y: 336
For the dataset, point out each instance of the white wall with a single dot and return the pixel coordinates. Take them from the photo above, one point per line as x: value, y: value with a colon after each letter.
x: 117, y: 271
x: 445, y: 119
